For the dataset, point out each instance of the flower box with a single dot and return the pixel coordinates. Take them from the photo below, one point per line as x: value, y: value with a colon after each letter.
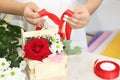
x: 47, y: 68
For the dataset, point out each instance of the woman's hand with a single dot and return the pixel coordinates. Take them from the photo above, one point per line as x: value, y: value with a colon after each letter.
x: 80, y: 18
x: 31, y: 15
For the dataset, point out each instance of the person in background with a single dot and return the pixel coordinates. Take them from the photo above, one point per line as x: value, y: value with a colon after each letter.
x: 77, y: 22
x: 79, y: 19
x: 29, y: 11
x: 82, y: 9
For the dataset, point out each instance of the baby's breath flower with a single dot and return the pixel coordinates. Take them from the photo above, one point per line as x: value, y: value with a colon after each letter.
x: 3, y: 64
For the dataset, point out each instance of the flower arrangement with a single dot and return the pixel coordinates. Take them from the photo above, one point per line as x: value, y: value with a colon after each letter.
x: 50, y: 46
x: 42, y: 47
x: 12, y: 63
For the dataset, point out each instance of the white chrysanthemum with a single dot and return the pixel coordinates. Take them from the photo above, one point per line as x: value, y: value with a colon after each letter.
x: 15, y: 74
x: 3, y: 64
x: 23, y: 65
x: 57, y: 47
x: 2, y: 75
x: 53, y: 52
x: 54, y: 38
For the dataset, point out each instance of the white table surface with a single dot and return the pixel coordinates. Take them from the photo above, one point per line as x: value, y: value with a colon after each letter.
x: 80, y: 67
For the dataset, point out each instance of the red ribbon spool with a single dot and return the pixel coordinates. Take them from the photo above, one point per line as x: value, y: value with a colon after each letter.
x: 108, y: 73
x: 58, y: 21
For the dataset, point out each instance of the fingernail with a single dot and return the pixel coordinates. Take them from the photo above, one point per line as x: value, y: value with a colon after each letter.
x: 65, y: 19
x: 66, y: 16
x: 45, y: 17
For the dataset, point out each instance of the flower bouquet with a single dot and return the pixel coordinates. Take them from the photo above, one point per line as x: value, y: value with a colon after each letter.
x: 12, y: 64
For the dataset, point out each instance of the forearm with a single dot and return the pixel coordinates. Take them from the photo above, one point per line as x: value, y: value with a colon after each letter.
x: 12, y: 7
x: 92, y: 5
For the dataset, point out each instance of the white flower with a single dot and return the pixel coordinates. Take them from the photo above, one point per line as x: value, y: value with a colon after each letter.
x: 57, y: 47
x: 15, y: 74
x: 2, y: 75
x: 3, y: 64
x: 54, y: 38
x: 23, y: 65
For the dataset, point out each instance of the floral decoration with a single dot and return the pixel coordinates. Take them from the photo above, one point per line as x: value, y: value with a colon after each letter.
x: 8, y: 73
x: 37, y: 49
x: 12, y: 64
x: 50, y: 46
x: 43, y: 47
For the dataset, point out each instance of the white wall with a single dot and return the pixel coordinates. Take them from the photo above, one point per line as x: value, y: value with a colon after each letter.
x: 106, y: 17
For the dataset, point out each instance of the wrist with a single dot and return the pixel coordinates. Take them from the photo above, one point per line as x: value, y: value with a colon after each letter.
x: 92, y: 5
x: 24, y: 5
x: 88, y: 8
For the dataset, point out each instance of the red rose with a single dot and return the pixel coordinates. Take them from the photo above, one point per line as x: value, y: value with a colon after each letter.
x: 37, y: 49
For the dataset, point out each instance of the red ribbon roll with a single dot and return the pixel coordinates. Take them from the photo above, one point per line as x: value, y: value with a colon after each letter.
x: 58, y: 21
x: 111, y: 72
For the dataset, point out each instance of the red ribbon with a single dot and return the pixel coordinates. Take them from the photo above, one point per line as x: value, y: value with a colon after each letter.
x: 59, y: 22
x: 106, y: 74
x: 67, y: 28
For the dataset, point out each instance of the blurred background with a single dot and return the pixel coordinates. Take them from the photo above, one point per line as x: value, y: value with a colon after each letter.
x: 106, y: 17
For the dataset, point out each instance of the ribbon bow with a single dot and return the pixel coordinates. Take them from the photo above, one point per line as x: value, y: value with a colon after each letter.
x: 60, y: 22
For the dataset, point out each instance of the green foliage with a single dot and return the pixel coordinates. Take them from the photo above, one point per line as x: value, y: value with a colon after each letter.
x: 9, y: 42
x: 69, y: 51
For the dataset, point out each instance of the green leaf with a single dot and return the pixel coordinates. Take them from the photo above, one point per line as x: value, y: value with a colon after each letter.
x: 67, y: 42
x: 9, y: 42
x: 74, y: 51
x: 68, y: 50
x: 2, y: 22
x: 3, y: 50
x: 2, y: 30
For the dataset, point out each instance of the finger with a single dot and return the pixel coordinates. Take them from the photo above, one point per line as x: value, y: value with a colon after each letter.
x: 35, y: 21
x: 77, y: 21
x: 31, y: 10
x: 40, y: 24
x: 74, y: 20
x: 34, y: 7
x: 33, y: 15
x: 77, y: 25
x: 80, y: 16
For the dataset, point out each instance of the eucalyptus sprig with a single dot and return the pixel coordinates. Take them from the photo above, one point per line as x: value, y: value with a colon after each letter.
x: 9, y: 42
x: 70, y: 51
